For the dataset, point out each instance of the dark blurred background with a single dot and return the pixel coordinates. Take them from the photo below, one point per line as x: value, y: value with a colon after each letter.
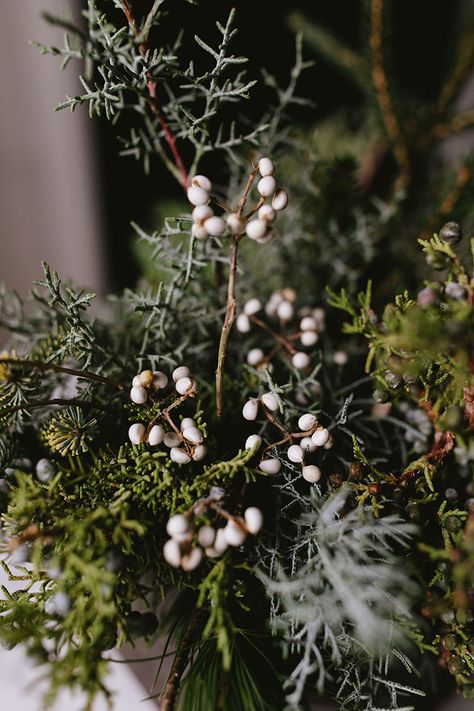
x: 67, y: 197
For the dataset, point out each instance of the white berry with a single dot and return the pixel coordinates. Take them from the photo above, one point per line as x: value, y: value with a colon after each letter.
x: 253, y: 442
x: 266, y: 186
x: 136, y: 433
x: 295, y: 453
x: 340, y: 357
x: 156, y: 435
x: 206, y: 536
x: 250, y: 410
x: 252, y: 306
x: 45, y: 469
x: 160, y: 379
x: 202, y: 212
x: 172, y: 553
x: 220, y: 543
x: 235, y: 223
x: 311, y: 473
x: 253, y: 519
x: 199, y: 453
x: 267, y: 213
x: 177, y: 525
x: 184, y: 385
x: 320, y: 437
x: 285, y: 310
x: 138, y: 395
x: 179, y: 456
x: 181, y: 371
x: 270, y: 466
x: 306, y: 422
x: 280, y: 199
x: 234, y: 534
x: 267, y: 237
x: 256, y: 229
x: 272, y: 303
x: 186, y: 423
x: 308, y: 324
x: 300, y: 360
x: 199, y: 231
x: 254, y: 356
x: 265, y: 166
x: 243, y: 323
x: 307, y: 444
x: 202, y: 181
x: 193, y: 435
x: 191, y: 560
x: 215, y: 226
x: 309, y: 338
x: 270, y: 401
x: 145, y: 378
x: 197, y: 196
x: 171, y: 439
x: 330, y: 443
x: 136, y: 382
x: 319, y: 316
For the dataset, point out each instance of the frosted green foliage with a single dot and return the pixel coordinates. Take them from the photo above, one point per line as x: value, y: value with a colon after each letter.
x: 191, y: 102
x: 321, y: 601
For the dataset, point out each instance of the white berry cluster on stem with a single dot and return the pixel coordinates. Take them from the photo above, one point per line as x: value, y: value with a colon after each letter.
x: 310, y: 437
x: 192, y: 536
x: 279, y: 322
x: 257, y: 223
x: 185, y: 442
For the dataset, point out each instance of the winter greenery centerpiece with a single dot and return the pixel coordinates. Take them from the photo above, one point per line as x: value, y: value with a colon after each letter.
x: 220, y: 460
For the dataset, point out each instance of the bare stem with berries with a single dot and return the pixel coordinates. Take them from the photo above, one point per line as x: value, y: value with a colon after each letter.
x: 231, y: 304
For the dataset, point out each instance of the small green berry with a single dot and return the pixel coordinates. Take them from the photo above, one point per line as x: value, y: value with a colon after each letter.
x: 455, y: 665
x: 450, y: 642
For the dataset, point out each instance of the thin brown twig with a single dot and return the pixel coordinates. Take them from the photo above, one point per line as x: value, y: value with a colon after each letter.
x: 278, y: 337
x: 229, y: 317
x: 454, y: 125
x: 382, y: 91
x: 449, y: 203
x: 154, y: 104
x: 39, y: 365
x: 228, y: 323
x: 168, y: 698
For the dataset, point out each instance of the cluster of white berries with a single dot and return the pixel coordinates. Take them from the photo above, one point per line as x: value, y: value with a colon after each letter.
x: 207, y: 224
x: 260, y: 228
x: 188, y: 543
x: 311, y: 435
x: 281, y: 305
x: 185, y: 442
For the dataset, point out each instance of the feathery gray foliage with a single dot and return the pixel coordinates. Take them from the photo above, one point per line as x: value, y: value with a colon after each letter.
x: 340, y: 575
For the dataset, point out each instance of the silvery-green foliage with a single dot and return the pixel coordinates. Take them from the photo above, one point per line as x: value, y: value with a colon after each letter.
x: 337, y: 588
x: 191, y: 101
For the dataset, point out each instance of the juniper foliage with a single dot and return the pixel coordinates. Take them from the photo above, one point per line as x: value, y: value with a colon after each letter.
x: 323, y: 600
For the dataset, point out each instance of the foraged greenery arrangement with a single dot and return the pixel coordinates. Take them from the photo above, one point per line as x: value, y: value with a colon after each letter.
x: 215, y: 458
